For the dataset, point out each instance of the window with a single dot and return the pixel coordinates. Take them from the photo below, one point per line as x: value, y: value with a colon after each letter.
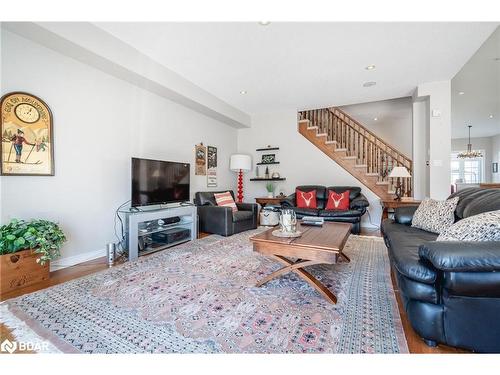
x: 470, y: 171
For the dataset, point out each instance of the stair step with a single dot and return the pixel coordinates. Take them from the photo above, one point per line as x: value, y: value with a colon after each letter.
x: 372, y: 174
x: 360, y: 166
x: 349, y: 157
x: 341, y: 149
x: 321, y: 135
x: 312, y: 127
x: 382, y: 183
x: 330, y: 142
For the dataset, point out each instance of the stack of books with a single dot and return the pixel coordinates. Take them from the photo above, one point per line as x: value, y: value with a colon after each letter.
x: 312, y: 220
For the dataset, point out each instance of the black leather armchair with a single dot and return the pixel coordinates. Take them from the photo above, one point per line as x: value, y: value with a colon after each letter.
x: 357, y: 205
x: 450, y: 290
x: 222, y: 220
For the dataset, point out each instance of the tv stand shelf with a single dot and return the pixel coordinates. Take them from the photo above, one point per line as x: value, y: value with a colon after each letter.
x: 145, y: 234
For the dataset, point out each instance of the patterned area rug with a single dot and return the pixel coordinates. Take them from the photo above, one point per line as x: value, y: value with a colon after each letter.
x: 200, y: 298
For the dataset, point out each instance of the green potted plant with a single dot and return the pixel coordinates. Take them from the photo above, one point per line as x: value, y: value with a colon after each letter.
x: 270, y: 189
x: 26, y: 248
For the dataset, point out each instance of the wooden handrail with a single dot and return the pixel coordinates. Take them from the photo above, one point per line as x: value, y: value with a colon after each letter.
x: 369, y: 131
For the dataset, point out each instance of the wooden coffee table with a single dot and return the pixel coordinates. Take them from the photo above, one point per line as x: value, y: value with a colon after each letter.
x: 317, y: 245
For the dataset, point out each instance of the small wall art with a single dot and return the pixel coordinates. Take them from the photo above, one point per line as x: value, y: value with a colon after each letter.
x: 200, y: 168
x: 212, y: 166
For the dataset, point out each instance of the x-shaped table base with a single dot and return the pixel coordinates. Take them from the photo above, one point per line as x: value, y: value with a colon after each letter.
x: 298, y: 268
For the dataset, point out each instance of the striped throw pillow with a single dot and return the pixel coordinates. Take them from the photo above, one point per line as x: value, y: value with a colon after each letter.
x: 225, y: 200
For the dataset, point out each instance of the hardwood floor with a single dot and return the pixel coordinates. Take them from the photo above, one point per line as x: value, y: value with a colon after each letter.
x: 415, y: 343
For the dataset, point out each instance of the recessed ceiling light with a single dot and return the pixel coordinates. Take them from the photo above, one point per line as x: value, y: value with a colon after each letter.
x: 369, y: 84
x: 264, y: 23
x: 490, y: 116
x: 375, y: 119
x: 461, y: 93
x: 370, y: 67
x: 243, y: 92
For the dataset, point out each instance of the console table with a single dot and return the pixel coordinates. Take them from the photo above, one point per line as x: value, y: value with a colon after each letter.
x: 264, y: 200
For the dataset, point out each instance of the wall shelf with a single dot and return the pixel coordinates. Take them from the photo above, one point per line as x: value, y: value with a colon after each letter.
x: 274, y: 162
x: 268, y: 179
x: 268, y: 149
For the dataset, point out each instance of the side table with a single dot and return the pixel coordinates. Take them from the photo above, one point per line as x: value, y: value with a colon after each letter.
x: 264, y: 201
x: 392, y: 204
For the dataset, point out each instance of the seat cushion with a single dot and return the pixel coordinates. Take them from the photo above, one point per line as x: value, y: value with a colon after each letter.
x: 305, y: 211
x: 435, y: 216
x: 403, y: 242
x: 225, y: 200
x: 206, y: 198
x: 474, y: 201
x: 306, y: 199
x: 336, y: 213
x: 242, y: 216
x: 482, y: 227
x: 338, y: 201
x: 354, y: 191
x: 320, y: 194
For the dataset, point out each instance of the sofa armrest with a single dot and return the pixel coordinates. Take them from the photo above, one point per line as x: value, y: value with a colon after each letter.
x: 247, y: 207
x: 254, y: 207
x: 404, y: 215
x: 359, y: 203
x: 454, y: 256
x: 289, y: 201
x: 215, y: 219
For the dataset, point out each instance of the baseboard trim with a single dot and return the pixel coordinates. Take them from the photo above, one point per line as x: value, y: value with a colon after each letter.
x: 61, y: 263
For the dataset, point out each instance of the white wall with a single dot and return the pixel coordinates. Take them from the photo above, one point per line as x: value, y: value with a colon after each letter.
x: 495, y: 152
x: 394, y: 121
x: 483, y: 144
x: 439, y: 135
x: 420, y: 148
x: 99, y: 123
x: 301, y: 163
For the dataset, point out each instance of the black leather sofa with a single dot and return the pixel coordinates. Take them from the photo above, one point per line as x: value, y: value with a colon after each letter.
x: 450, y: 290
x: 222, y: 220
x: 357, y: 205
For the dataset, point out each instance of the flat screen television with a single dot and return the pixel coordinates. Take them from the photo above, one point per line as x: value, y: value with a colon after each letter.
x: 159, y: 182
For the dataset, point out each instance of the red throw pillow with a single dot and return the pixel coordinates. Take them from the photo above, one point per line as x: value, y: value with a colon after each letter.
x: 338, y: 202
x: 305, y: 200
x: 225, y: 200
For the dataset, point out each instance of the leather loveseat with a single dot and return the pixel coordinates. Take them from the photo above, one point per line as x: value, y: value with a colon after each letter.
x: 357, y: 205
x: 222, y: 220
x: 450, y: 290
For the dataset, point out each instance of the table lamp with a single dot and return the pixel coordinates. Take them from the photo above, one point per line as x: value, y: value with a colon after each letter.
x: 399, y: 172
x: 240, y: 163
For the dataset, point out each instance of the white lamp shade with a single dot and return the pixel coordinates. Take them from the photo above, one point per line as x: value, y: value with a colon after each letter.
x: 240, y: 161
x: 399, y: 172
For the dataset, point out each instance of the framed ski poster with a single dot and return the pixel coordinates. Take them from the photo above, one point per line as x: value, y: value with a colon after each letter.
x: 27, y: 147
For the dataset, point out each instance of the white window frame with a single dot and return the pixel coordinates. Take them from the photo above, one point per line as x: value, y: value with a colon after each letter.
x: 461, y: 166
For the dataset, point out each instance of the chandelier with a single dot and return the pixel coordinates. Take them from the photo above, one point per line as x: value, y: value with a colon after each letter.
x: 470, y: 154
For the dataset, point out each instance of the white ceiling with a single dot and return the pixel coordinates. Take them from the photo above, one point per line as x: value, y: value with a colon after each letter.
x: 479, y: 80
x: 306, y: 65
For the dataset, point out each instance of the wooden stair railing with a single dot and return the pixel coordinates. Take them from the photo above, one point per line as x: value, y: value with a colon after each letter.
x: 360, y: 144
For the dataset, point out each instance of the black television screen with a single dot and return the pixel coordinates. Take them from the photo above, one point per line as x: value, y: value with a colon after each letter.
x: 157, y: 182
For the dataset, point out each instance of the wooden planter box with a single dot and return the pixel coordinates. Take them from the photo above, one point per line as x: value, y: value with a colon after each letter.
x: 18, y: 270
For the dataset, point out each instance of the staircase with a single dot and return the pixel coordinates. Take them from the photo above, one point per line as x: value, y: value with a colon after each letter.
x: 360, y: 152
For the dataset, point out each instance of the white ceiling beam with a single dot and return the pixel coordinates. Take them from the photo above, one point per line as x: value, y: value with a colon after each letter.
x: 93, y: 46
